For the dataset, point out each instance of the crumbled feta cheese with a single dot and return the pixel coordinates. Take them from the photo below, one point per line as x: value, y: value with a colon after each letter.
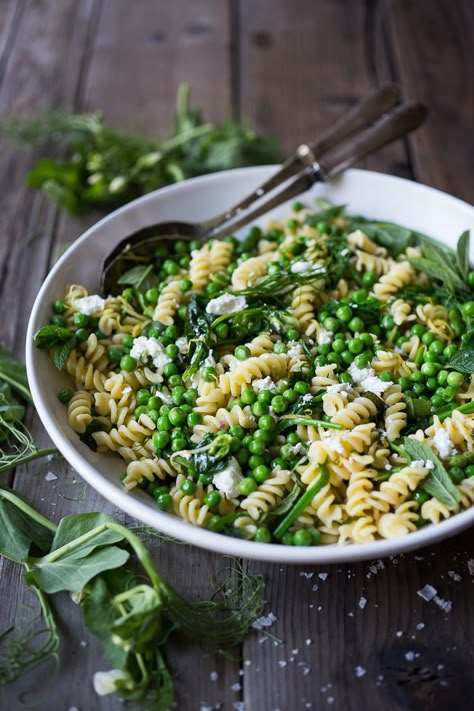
x: 144, y: 348
x: 375, y: 385
x: 360, y: 374
x: 307, y: 398
x: 226, y: 304
x: 443, y: 444
x: 209, y: 361
x: 182, y: 344
x: 333, y: 441
x: 427, y: 592
x: 295, y: 349
x: 298, y: 449
x: 339, y: 388
x: 299, y: 267
x: 263, y: 384
x: 106, y: 682
x: 324, y: 337
x: 421, y: 463
x: 227, y: 480
x: 90, y: 304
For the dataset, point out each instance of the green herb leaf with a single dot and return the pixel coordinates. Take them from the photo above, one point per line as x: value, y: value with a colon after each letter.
x: 326, y: 215
x: 463, y: 361
x: 75, y: 525
x: 394, y: 237
x: 438, y: 482
x: 19, y: 531
x: 462, y: 255
x: 49, y: 336
x: 14, y: 373
x: 141, y: 277
x: 73, y: 571
x: 61, y: 353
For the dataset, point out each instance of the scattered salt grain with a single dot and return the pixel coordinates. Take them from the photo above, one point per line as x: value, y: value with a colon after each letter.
x: 83, y: 643
x: 308, y: 642
x: 399, y: 634
x: 323, y: 576
x: 50, y: 476
x: 362, y: 602
x: 470, y: 566
x: 360, y: 671
x: 282, y: 663
x: 238, y: 706
x: 330, y: 699
x: 214, y: 676
x: 315, y: 588
x: 420, y: 625
x: 264, y: 621
x: 427, y: 592
x: 410, y: 656
x: 236, y: 686
x: 454, y: 576
x: 248, y: 663
x: 308, y: 576
x: 445, y: 605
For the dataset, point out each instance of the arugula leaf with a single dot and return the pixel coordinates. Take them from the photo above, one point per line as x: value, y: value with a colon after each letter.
x: 462, y: 254
x: 73, y: 571
x: 49, y: 336
x: 463, y: 361
x: 438, y: 482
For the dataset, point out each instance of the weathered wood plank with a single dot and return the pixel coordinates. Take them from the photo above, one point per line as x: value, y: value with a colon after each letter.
x: 432, y: 52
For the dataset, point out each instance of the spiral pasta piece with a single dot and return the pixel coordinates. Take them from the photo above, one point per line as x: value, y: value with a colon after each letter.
x: 80, y: 411
x: 399, y: 275
x: 168, y: 302
x: 266, y: 496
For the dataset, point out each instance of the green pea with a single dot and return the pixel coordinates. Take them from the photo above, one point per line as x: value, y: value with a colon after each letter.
x: 265, y: 436
x: 259, y: 408
x: 420, y: 496
x: 242, y: 353
x: 185, y: 285
x: 331, y: 324
x: 455, y: 379
x: 449, y: 392
x: 457, y: 474
x: 160, y: 439
x: 339, y: 345
x: 59, y: 307
x: 257, y: 447
x: 175, y: 380
x: 178, y: 443
x: 356, y: 345
x: 419, y: 388
x: 356, y: 324
x: 290, y: 395
x: 385, y: 376
x: 188, y: 487
x: 263, y: 535
x: 468, y: 309
x: 280, y: 348
x: 165, y: 409
x: 279, y: 404
x: 301, y: 387
x: 128, y: 363
x: 164, y: 501
x: 362, y: 360
x: 261, y: 473
x: 177, y: 416
x: 359, y: 296
x: 222, y: 330
x: 212, y: 498
x: 292, y: 334
x: 345, y: 378
x: 191, y: 396
x: 287, y: 539
x: 139, y: 411
x: 366, y: 338
x: 127, y: 295
x: 237, y: 431
x: 80, y: 320
x: 315, y: 535
x: 256, y: 460
x: 143, y: 396
x: 65, y: 395
x: 320, y: 361
x: 436, y: 402
x: 247, y: 485
x: 428, y: 369
x: 163, y: 424
x: 442, y: 377
x: 428, y: 338
x: 436, y: 347
x: 388, y: 322
x: 469, y: 470
x: 417, y: 330
x: 266, y: 422
x: 248, y: 397
x: 302, y: 537
x: 114, y: 354
x: 265, y: 396
x: 432, y: 383
x: 322, y: 227
x: 369, y: 279
x: 59, y: 320
x: 236, y: 403
x: 151, y: 295
x: 177, y: 395
x: 470, y: 279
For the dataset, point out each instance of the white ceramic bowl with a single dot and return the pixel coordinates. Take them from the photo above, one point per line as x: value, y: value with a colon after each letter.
x: 372, y: 194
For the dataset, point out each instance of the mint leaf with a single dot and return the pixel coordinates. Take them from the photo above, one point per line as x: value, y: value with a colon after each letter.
x: 61, y: 354
x: 438, y: 482
x: 141, y: 277
x: 463, y: 361
x: 51, y: 335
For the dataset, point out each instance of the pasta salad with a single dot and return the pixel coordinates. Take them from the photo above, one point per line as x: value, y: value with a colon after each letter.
x: 309, y: 384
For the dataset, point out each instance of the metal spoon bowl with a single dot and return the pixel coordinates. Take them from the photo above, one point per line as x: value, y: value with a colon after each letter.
x: 320, y: 161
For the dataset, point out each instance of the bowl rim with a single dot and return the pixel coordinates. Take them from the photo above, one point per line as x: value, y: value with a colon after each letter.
x: 176, y: 527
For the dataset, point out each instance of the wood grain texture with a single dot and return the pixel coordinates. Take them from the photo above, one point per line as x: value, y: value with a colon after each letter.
x: 291, y: 68
x: 432, y: 52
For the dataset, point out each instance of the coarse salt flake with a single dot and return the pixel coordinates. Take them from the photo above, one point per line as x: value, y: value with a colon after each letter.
x: 50, y: 476
x: 427, y: 592
x: 264, y: 621
x: 360, y: 671
x: 362, y: 602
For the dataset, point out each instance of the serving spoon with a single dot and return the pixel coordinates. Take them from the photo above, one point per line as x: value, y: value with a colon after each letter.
x: 370, y: 125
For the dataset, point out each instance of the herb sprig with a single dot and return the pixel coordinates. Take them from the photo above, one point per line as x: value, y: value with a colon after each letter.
x: 133, y: 614
x: 106, y: 167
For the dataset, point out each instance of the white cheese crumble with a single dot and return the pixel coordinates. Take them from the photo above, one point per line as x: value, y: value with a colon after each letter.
x: 299, y: 267
x: 226, y: 304
x: 90, y: 304
x: 209, y: 361
x: 227, y: 480
x: 443, y: 444
x: 295, y: 349
x: 263, y: 384
x: 182, y: 344
x: 421, y: 463
x: 368, y: 380
x: 339, y: 388
x: 144, y: 348
x: 324, y: 337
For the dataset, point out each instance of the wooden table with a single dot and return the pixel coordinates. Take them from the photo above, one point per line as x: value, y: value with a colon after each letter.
x: 346, y: 637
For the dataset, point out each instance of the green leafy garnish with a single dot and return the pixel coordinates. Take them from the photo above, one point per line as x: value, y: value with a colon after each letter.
x: 60, y: 339
x: 463, y: 360
x: 106, y: 167
x: 438, y: 482
x: 132, y: 613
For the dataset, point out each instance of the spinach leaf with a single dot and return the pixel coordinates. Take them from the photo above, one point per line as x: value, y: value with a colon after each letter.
x: 197, y: 329
x: 208, y: 457
x: 462, y: 255
x: 463, y: 361
x: 73, y: 571
x: 438, y: 482
x: 49, y: 336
